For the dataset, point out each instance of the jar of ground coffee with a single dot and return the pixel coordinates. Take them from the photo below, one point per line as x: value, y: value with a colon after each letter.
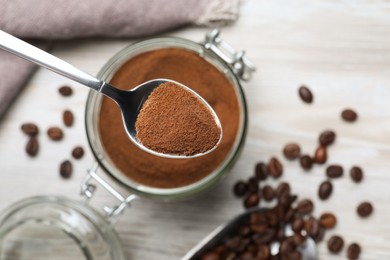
x: 213, y: 69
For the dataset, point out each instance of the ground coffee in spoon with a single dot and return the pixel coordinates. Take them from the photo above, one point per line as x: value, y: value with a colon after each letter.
x: 175, y: 121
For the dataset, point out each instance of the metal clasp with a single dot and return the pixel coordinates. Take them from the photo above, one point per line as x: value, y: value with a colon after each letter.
x: 240, y: 65
x: 88, y: 189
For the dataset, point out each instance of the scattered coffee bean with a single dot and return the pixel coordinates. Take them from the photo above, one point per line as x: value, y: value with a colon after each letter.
x: 320, y: 155
x: 78, y: 152
x: 252, y: 200
x: 306, y: 162
x: 292, y: 151
x: 65, y: 91
x: 30, y: 129
x: 335, y: 244
x: 268, y: 193
x: 55, y: 133
x: 365, y: 209
x: 283, y: 189
x: 305, y: 94
x: 325, y: 190
x: 349, y: 115
x: 32, y: 146
x: 66, y: 169
x: 275, y: 168
x: 68, y: 118
x: 327, y: 138
x: 312, y: 227
x: 334, y: 171
x: 253, y: 185
x: 353, y: 251
x: 356, y: 174
x: 297, y: 225
x: 328, y: 220
x: 261, y: 172
x: 240, y: 189
x: 305, y: 206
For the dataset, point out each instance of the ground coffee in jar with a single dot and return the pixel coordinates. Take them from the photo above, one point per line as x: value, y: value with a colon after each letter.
x: 190, y: 69
x: 175, y: 121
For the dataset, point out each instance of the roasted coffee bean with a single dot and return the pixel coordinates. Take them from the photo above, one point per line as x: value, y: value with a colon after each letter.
x: 335, y: 244
x: 68, y: 118
x: 356, y: 174
x: 78, y: 152
x: 268, y: 193
x: 334, y: 171
x: 275, y: 168
x: 253, y: 185
x: 297, y: 225
x: 286, y: 201
x: 245, y: 256
x: 259, y: 228
x: 286, y: 247
x: 261, y: 172
x: 55, y: 133
x: 320, y: 155
x: 328, y: 220
x: 66, y: 169
x: 65, y: 91
x: 320, y: 235
x: 327, y: 138
x: 349, y: 115
x: 283, y: 189
x: 263, y: 252
x: 245, y: 231
x: 252, y: 200
x: 294, y: 255
x: 30, y: 129
x: 292, y: 151
x: 325, y: 190
x: 298, y: 239
x: 312, y: 227
x: 305, y: 206
x: 257, y: 217
x: 32, y: 146
x: 365, y: 209
x: 306, y: 162
x: 353, y: 251
x: 210, y: 256
x: 290, y: 214
x: 240, y: 189
x: 305, y: 94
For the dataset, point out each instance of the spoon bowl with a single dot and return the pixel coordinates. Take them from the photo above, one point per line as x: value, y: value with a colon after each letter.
x: 129, y: 101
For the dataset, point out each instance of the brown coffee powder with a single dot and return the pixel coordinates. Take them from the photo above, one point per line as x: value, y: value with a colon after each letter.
x: 193, y: 71
x: 175, y: 121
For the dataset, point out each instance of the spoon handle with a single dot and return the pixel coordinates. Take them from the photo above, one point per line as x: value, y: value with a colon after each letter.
x: 29, y: 52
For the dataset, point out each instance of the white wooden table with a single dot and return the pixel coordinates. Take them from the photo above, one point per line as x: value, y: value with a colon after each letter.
x: 340, y: 49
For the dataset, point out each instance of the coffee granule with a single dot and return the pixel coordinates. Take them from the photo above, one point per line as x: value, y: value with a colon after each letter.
x: 175, y: 121
x: 196, y: 73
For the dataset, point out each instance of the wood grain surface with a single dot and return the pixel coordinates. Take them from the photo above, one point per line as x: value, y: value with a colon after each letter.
x: 339, y: 49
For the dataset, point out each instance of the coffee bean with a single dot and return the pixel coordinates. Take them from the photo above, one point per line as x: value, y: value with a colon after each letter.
x: 245, y: 231
x: 68, y: 118
x: 335, y: 244
x: 294, y: 255
x: 252, y: 200
x: 306, y: 162
x: 299, y: 239
x: 292, y: 151
x: 305, y: 206
x: 320, y: 235
x: 65, y: 91
x: 240, y: 189
x: 325, y: 190
x: 320, y: 155
x: 263, y: 252
x: 328, y: 220
x: 268, y: 193
x: 78, y: 152
x: 283, y: 189
x: 356, y: 174
x: 327, y: 138
x: 312, y: 227
x: 305, y: 94
x: 365, y: 209
x: 30, y: 129
x: 210, y: 256
x: 297, y: 225
x: 261, y: 172
x: 286, y: 247
x: 334, y: 171
x: 66, y: 169
x: 353, y: 251
x: 55, y: 133
x: 253, y: 185
x: 349, y: 115
x: 32, y: 146
x: 275, y: 168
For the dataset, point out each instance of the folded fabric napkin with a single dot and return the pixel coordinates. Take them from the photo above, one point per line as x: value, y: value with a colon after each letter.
x: 58, y: 19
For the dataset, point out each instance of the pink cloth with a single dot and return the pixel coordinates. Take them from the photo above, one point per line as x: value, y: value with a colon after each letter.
x: 58, y: 19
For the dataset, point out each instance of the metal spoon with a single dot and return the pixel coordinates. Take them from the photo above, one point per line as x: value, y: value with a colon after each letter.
x: 129, y: 101
x: 219, y: 235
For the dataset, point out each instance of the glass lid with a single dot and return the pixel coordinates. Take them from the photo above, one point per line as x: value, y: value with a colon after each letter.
x: 56, y: 228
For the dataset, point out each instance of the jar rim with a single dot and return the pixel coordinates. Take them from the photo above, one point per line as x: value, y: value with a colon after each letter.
x: 94, y: 99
